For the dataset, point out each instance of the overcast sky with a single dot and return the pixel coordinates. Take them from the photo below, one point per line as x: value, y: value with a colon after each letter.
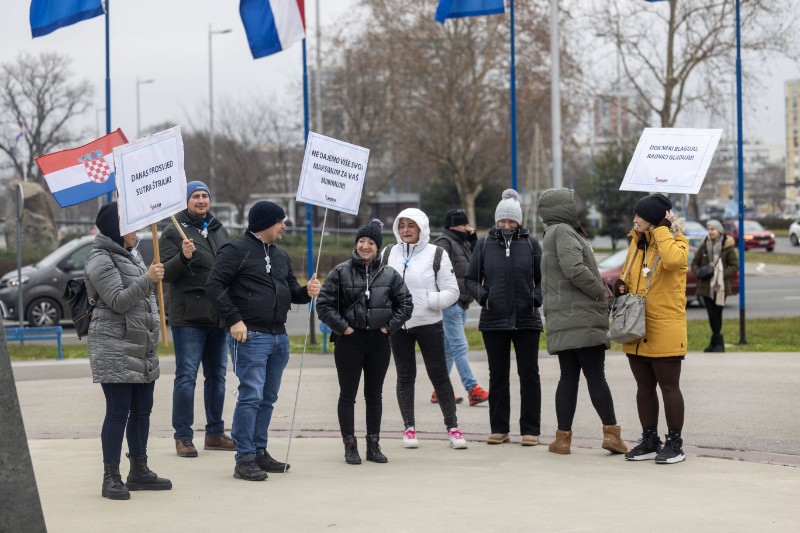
x: 167, y: 41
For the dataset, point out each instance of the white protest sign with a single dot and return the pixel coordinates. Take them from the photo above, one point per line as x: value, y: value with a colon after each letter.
x: 671, y: 160
x: 333, y: 174
x: 151, y: 183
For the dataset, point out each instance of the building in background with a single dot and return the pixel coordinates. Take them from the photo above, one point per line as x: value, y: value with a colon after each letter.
x: 792, y: 176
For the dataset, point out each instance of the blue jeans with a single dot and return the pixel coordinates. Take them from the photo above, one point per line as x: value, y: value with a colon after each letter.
x: 259, y: 364
x: 195, y: 346
x: 456, y: 348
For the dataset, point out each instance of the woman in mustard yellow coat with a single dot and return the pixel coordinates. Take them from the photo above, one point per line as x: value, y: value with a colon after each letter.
x: 658, y: 254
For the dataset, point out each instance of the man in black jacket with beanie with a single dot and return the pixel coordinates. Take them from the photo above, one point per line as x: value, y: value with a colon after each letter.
x: 252, y: 287
x: 197, y: 336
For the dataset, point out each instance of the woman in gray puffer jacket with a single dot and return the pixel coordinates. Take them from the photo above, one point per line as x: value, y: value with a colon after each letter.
x: 576, y: 311
x: 123, y: 334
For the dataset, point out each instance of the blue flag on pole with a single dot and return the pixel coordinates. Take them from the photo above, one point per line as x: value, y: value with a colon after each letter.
x: 453, y: 9
x: 49, y: 15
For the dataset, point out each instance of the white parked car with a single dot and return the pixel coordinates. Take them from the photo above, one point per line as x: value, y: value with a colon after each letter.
x: 794, y: 233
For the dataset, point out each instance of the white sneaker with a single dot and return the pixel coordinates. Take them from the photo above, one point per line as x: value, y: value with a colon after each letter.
x: 410, y: 438
x: 457, y: 440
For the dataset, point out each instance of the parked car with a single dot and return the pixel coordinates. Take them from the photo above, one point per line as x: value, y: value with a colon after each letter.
x: 794, y: 233
x: 611, y: 268
x: 43, y: 283
x: 755, y: 236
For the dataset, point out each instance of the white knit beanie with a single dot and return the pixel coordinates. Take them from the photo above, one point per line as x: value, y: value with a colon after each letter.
x: 509, y: 208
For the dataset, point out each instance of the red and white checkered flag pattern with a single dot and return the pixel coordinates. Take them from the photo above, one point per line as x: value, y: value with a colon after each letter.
x: 97, y: 170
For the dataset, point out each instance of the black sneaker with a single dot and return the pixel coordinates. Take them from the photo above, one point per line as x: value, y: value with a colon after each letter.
x: 248, y: 470
x: 268, y: 464
x: 648, y: 448
x: 671, y: 452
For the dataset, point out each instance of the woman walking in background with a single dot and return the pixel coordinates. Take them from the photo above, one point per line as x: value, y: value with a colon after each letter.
x: 576, y: 311
x: 719, y: 251
x: 363, y: 302
x: 123, y: 335
x: 504, y: 276
x: 658, y: 256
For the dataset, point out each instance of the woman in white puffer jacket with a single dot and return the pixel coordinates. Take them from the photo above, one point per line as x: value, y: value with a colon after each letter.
x: 413, y: 257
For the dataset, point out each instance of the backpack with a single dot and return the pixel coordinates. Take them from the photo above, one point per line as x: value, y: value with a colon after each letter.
x: 80, y: 304
x: 437, y: 261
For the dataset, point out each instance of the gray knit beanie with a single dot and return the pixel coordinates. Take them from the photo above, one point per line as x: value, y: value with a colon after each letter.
x: 509, y: 208
x: 716, y: 224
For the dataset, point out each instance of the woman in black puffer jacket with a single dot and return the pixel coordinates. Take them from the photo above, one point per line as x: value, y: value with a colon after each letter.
x: 504, y: 277
x: 363, y: 302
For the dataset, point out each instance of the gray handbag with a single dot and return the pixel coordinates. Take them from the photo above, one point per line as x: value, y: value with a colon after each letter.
x: 627, y: 317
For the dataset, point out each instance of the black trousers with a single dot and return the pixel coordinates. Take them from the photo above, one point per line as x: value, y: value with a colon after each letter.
x: 128, y: 406
x: 651, y: 372
x: 498, y: 349
x: 366, y: 351
x: 431, y: 343
x: 714, y: 315
x: 592, y: 361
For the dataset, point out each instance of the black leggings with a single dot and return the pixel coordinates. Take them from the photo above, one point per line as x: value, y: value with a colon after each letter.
x: 526, y: 347
x: 714, y: 315
x: 128, y: 405
x: 431, y: 344
x: 367, y: 351
x: 648, y: 373
x: 592, y: 361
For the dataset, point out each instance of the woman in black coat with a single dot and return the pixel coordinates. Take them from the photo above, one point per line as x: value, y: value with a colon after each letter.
x: 504, y: 276
x: 363, y: 302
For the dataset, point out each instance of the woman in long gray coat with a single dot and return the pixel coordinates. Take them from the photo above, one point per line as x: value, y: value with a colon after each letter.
x: 576, y: 314
x: 123, y: 335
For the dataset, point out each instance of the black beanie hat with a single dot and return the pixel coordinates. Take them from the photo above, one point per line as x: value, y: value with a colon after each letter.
x: 264, y: 214
x: 455, y: 217
x: 653, y: 208
x: 373, y: 231
x: 107, y: 222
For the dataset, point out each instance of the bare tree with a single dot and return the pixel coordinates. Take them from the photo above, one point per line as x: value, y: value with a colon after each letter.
x: 38, y: 94
x: 434, y: 98
x: 678, y: 53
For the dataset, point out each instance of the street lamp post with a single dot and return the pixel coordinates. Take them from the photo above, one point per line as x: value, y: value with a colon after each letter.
x: 212, y: 155
x: 138, y: 115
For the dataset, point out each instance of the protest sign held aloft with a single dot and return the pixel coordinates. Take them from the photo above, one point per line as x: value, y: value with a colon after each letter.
x: 151, y: 183
x: 333, y: 174
x: 672, y: 160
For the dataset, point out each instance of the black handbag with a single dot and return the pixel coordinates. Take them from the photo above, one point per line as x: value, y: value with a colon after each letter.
x: 80, y: 304
x: 705, y: 272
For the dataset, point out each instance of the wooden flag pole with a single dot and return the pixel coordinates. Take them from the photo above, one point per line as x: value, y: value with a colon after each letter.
x: 180, y: 229
x: 157, y: 259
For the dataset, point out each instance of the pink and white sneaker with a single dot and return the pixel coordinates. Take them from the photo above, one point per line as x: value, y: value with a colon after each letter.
x: 457, y: 440
x: 410, y: 438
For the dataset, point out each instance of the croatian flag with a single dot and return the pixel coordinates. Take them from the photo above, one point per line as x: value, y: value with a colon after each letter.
x: 453, y: 9
x: 80, y: 174
x: 49, y: 15
x: 272, y: 25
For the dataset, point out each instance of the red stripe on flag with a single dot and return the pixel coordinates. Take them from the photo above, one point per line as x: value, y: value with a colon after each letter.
x: 70, y: 158
x: 301, y: 6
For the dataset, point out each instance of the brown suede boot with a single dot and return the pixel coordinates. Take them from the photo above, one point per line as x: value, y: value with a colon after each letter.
x: 562, y: 443
x: 612, y: 440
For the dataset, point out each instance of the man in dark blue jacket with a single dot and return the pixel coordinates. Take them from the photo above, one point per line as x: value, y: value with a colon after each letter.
x: 252, y: 287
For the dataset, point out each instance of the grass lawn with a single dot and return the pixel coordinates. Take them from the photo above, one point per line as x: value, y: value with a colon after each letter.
x: 763, y: 335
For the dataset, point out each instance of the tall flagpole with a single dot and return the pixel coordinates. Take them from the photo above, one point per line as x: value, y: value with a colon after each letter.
x: 108, y: 82
x: 309, y: 208
x: 740, y: 168
x: 555, y: 95
x: 513, y: 106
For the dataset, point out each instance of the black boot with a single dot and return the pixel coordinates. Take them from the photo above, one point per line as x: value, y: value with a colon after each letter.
x: 374, y: 453
x: 268, y: 464
x: 711, y: 343
x: 351, y: 450
x: 113, y: 487
x: 142, y: 478
x: 719, y: 344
